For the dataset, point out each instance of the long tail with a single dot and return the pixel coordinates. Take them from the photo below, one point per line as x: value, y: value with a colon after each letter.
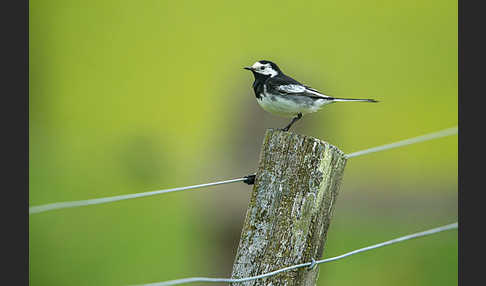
x: 354, y: 99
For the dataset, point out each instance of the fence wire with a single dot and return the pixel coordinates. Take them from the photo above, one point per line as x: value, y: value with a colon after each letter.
x: 247, y: 179
x: 418, y: 139
x: 71, y: 204
x: 302, y: 265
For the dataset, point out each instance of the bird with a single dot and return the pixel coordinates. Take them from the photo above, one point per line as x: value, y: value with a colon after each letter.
x: 284, y: 96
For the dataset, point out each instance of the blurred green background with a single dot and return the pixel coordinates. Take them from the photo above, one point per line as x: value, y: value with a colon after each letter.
x: 134, y: 96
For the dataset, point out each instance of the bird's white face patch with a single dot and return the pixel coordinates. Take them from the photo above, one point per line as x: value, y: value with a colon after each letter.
x: 265, y: 69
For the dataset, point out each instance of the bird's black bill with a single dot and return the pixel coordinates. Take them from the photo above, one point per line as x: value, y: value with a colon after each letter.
x: 248, y: 68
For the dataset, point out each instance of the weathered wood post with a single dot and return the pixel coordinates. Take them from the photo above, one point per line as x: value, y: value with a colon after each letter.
x: 290, y: 209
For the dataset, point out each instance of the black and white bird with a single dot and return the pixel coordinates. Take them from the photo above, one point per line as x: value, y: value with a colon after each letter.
x: 282, y: 95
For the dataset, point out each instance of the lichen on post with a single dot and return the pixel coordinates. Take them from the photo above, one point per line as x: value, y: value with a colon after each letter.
x: 290, y: 209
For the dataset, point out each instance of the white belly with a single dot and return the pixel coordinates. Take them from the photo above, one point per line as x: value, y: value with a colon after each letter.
x: 284, y: 107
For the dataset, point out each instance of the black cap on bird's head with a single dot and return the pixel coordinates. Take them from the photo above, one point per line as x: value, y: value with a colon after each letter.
x: 264, y: 68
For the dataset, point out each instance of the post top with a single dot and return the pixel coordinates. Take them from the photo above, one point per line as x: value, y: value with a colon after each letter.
x: 289, y: 134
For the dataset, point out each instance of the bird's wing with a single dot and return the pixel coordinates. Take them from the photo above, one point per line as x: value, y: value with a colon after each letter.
x: 289, y: 86
x: 315, y: 92
x: 301, y: 90
x: 311, y: 89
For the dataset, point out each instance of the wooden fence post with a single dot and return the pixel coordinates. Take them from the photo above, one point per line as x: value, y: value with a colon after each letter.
x: 290, y: 209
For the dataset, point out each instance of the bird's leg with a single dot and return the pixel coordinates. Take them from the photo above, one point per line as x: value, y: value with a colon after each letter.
x: 299, y: 116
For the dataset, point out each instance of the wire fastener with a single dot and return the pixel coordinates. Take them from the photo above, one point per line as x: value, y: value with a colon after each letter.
x: 250, y: 179
x: 312, y: 265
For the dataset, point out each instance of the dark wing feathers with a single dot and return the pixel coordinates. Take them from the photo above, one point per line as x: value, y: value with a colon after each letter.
x: 289, y: 86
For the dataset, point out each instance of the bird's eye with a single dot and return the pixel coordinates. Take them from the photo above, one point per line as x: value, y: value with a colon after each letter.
x: 262, y: 68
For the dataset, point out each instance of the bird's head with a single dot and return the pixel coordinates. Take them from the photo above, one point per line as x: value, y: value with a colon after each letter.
x: 264, y: 69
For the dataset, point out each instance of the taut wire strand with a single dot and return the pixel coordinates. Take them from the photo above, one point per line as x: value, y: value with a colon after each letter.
x: 247, y: 179
x: 230, y: 280
x: 71, y: 204
x: 418, y: 139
